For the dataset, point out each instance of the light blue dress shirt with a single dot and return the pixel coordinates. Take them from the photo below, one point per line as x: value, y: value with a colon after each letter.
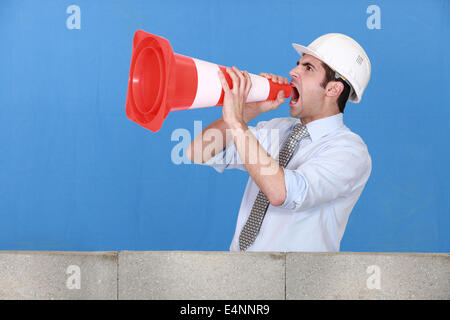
x: 324, y: 179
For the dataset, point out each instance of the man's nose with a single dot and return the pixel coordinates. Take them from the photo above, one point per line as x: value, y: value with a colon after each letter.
x: 293, y: 73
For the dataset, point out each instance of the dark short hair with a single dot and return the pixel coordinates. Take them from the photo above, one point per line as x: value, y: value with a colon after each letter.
x: 330, y: 76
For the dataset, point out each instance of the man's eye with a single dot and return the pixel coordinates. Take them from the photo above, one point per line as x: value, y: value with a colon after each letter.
x: 308, y: 68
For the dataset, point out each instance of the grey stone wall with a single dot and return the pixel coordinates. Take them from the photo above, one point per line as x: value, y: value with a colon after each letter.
x: 223, y: 275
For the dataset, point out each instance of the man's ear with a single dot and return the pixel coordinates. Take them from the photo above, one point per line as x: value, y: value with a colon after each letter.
x: 334, y: 88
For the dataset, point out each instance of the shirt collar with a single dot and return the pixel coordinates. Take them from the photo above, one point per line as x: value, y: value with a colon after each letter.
x: 321, y: 127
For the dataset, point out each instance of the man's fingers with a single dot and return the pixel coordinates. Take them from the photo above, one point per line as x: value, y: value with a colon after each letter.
x: 224, y: 82
x: 234, y: 78
x: 274, y: 78
x: 277, y: 79
x: 241, y: 78
x: 249, y: 82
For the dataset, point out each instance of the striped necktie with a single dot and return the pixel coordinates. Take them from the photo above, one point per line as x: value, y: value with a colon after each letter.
x: 254, y: 221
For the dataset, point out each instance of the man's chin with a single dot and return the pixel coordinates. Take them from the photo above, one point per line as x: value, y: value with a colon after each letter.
x: 295, y: 111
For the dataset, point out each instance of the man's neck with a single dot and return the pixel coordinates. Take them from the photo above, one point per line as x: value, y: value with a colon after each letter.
x: 306, y: 120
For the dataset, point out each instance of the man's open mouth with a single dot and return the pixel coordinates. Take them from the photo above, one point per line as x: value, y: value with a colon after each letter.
x: 295, y: 95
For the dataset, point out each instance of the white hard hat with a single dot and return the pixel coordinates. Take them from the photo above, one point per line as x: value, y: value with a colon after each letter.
x: 345, y: 56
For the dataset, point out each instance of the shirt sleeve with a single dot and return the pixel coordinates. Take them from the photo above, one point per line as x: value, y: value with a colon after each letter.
x: 229, y: 157
x: 335, y: 172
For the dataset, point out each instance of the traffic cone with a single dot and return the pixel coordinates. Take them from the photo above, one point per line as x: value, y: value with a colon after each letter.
x: 161, y: 81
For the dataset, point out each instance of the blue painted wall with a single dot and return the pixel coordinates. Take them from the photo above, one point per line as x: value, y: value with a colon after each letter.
x: 76, y: 174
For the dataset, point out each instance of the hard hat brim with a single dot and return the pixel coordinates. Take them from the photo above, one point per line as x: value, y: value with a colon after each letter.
x: 302, y: 50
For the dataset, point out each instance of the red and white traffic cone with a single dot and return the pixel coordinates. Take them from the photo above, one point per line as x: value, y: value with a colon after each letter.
x: 161, y: 81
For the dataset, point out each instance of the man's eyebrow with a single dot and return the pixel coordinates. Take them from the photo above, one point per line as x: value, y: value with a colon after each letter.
x: 307, y: 64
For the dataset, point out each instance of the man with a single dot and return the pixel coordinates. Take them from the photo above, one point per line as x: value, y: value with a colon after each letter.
x: 299, y: 197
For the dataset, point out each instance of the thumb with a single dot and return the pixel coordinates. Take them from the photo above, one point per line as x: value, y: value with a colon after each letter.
x: 281, y: 95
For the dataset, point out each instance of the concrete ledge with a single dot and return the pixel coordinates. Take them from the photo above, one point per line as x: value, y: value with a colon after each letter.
x: 223, y: 275
x: 201, y: 275
x: 367, y: 276
x: 58, y: 275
